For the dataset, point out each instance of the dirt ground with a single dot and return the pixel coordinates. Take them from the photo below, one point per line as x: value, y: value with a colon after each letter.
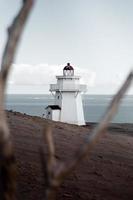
x: 105, y: 174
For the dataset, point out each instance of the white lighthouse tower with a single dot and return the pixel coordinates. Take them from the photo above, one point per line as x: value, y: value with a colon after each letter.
x: 68, y: 101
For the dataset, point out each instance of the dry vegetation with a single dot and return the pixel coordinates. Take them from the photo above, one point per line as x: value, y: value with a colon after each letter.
x: 54, y: 171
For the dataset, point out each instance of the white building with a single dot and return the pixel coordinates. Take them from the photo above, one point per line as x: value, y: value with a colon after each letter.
x: 53, y: 112
x: 68, y: 101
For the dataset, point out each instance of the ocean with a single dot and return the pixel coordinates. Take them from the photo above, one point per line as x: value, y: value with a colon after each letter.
x: 94, y: 106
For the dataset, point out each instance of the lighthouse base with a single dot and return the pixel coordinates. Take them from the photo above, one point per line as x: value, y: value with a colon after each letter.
x: 75, y: 122
x: 72, y: 108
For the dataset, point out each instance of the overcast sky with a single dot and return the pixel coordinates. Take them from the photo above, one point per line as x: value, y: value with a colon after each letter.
x: 95, y: 36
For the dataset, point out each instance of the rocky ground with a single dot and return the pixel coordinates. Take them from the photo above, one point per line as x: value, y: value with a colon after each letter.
x: 106, y: 174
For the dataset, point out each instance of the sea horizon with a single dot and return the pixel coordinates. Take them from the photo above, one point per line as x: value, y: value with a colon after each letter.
x: 94, y: 106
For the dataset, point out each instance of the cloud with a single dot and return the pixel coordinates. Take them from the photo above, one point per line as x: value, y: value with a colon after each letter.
x: 35, y: 79
x: 26, y: 76
x: 87, y: 77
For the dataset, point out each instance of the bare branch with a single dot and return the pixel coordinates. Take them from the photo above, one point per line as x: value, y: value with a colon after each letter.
x: 100, y: 129
x: 49, y: 165
x: 61, y: 170
x: 7, y: 159
x: 50, y: 143
x: 14, y: 34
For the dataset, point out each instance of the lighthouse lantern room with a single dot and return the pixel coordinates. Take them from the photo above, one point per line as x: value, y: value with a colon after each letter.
x: 68, y: 105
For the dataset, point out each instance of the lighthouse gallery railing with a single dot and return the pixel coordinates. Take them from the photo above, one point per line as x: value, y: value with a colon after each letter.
x: 66, y: 87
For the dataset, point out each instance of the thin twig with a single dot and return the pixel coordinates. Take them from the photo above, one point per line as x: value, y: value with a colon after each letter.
x: 62, y: 170
x: 7, y: 159
x: 14, y: 34
x: 99, y: 130
x: 50, y: 143
x: 50, y: 164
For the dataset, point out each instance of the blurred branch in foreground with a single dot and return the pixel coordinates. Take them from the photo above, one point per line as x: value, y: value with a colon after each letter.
x: 57, y: 171
x: 7, y: 159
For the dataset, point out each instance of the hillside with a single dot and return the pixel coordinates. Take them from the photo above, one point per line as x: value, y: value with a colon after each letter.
x: 105, y: 175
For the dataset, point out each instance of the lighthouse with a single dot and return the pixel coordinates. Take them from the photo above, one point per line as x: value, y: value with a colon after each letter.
x: 67, y: 92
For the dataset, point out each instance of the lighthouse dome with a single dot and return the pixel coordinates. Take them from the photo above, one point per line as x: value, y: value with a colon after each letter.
x: 68, y: 70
